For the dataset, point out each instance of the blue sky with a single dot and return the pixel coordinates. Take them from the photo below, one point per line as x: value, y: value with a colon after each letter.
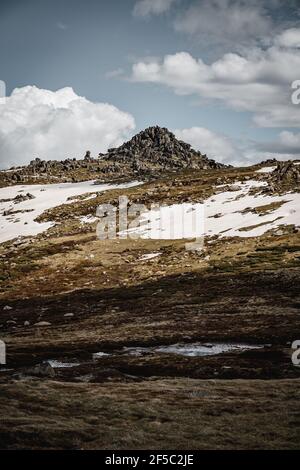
x: 226, y: 89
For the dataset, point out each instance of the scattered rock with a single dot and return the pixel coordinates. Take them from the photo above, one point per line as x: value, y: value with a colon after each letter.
x: 23, y: 197
x: 7, y: 307
x: 234, y: 187
x: 285, y: 176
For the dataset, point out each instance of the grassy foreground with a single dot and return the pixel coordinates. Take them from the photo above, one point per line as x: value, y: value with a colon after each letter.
x: 154, y: 414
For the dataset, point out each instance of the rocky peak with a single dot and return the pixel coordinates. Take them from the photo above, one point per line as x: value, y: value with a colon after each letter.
x: 151, y: 153
x: 157, y: 148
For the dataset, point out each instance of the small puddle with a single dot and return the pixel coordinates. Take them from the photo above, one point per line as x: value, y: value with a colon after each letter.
x: 207, y: 349
x: 189, y: 350
x: 181, y: 349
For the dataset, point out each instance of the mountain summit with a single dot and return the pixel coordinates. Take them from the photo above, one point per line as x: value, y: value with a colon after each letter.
x: 156, y: 149
x: 151, y: 153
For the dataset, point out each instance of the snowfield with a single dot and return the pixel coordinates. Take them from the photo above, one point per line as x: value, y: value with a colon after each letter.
x: 234, y: 216
x: 46, y: 196
x: 226, y: 214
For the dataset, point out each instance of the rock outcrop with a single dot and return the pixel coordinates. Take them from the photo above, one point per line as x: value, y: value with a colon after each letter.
x: 156, y: 149
x: 151, y: 153
x: 286, y: 176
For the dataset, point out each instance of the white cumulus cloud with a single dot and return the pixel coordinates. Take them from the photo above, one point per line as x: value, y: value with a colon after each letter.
x: 285, y: 146
x: 216, y: 146
x: 230, y: 151
x: 258, y: 81
x: 289, y: 38
x: 57, y: 125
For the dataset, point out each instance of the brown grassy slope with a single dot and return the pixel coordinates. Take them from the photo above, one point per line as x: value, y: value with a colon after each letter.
x: 236, y: 290
x: 157, y: 414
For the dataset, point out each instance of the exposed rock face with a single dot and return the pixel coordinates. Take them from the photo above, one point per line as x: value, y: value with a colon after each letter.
x: 286, y: 176
x: 156, y: 149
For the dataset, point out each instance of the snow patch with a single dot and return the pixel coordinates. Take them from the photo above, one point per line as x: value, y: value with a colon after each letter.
x: 266, y: 169
x: 88, y: 219
x: 149, y: 256
x: 225, y: 214
x: 46, y: 196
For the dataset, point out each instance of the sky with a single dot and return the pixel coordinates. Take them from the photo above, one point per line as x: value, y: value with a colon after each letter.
x: 83, y: 75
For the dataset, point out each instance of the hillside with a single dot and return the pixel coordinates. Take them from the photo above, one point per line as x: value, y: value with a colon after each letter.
x: 82, y: 316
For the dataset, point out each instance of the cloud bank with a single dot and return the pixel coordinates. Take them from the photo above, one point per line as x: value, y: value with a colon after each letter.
x: 226, y: 21
x: 287, y: 145
x: 57, y: 125
x: 258, y: 81
x: 216, y: 146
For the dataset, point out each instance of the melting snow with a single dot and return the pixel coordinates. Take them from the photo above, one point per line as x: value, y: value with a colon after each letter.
x: 149, y: 256
x: 173, y: 222
x: 230, y: 206
x: 88, y: 219
x: 266, y: 169
x: 46, y: 196
x: 226, y: 214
